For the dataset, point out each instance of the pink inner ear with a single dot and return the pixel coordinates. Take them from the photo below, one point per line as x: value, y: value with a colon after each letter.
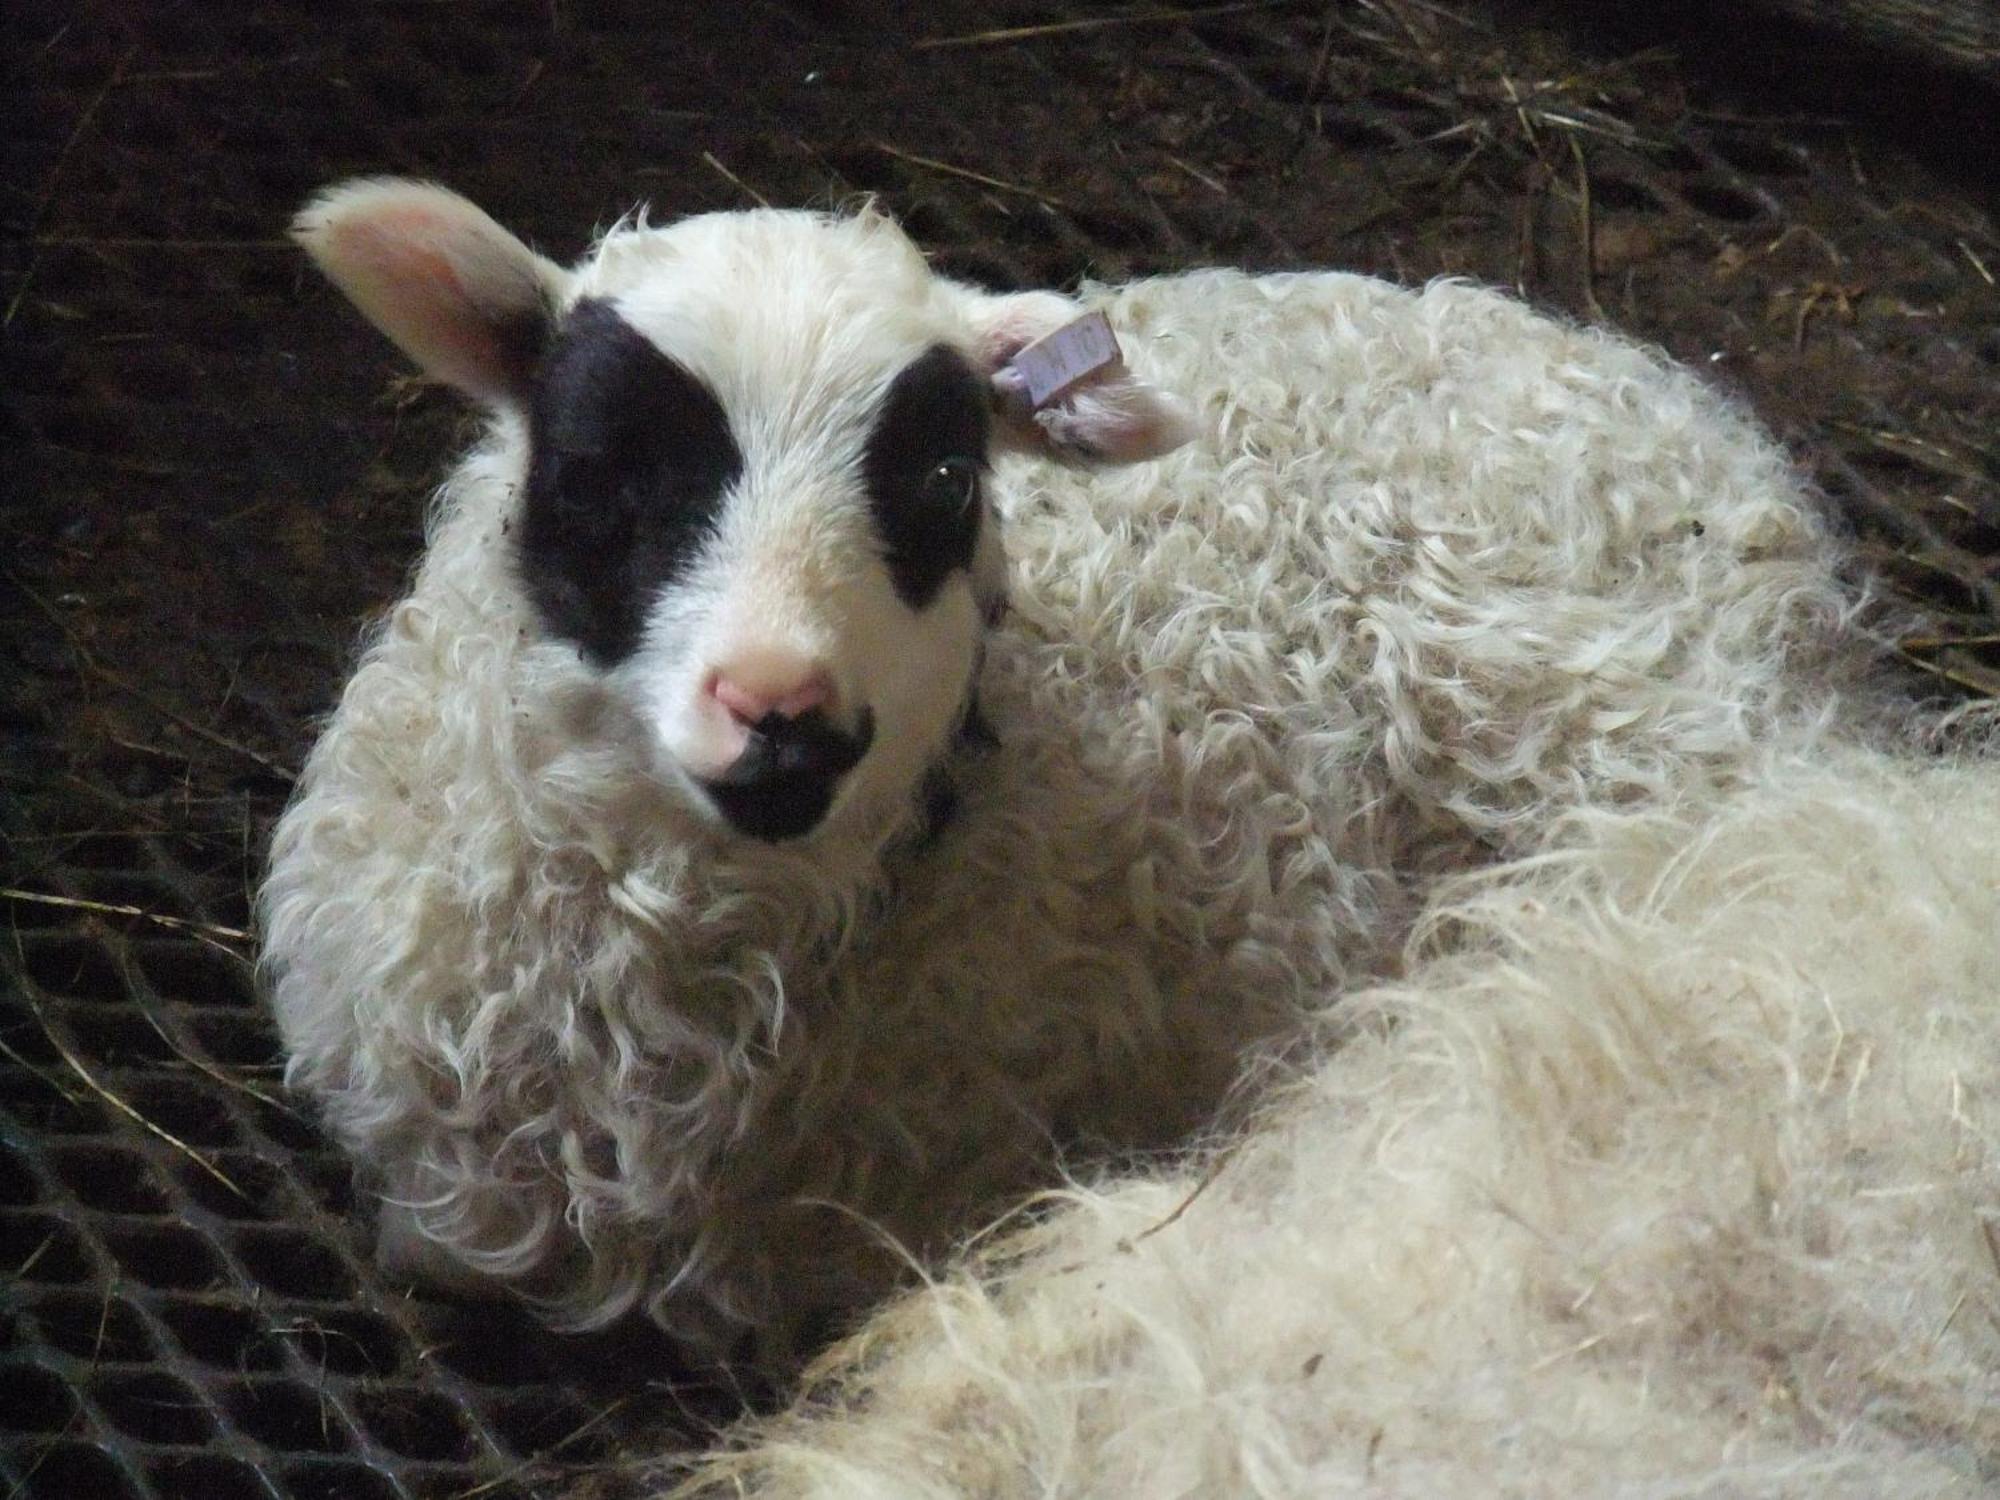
x: 396, y: 267
x: 1110, y: 416
x: 1119, y: 420
x: 996, y: 346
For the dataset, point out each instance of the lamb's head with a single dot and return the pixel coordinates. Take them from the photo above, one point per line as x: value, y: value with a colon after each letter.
x: 756, y: 451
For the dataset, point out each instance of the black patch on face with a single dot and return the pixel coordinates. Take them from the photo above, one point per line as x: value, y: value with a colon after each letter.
x: 629, y: 457
x: 923, y: 465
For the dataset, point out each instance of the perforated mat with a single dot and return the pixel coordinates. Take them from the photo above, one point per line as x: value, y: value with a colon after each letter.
x: 214, y: 472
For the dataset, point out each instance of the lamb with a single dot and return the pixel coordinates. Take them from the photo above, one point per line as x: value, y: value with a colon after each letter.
x: 617, y: 926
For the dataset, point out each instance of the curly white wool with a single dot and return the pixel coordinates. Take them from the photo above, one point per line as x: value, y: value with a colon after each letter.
x: 1440, y: 571
x: 1672, y: 1168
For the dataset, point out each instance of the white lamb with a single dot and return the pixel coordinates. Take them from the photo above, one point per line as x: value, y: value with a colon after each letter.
x: 618, y: 924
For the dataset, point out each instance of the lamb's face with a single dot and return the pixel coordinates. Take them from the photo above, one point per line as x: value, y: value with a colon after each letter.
x: 755, y: 505
x: 756, y: 451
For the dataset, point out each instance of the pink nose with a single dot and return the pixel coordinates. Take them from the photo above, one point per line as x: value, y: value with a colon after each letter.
x: 754, y: 688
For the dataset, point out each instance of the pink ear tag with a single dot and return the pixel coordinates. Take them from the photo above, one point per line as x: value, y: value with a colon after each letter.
x: 1076, y: 352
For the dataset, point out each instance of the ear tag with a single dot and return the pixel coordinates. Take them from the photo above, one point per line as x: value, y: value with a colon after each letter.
x: 1052, y: 366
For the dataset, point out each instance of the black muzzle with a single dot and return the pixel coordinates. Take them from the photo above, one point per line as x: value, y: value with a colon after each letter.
x: 784, y: 781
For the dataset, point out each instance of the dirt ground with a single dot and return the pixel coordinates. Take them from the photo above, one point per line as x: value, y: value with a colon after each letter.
x: 214, y: 472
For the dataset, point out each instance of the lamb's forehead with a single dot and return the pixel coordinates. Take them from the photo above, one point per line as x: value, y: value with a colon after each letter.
x: 774, y: 300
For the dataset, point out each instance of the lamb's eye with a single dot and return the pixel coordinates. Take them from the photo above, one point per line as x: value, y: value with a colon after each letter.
x: 953, y: 485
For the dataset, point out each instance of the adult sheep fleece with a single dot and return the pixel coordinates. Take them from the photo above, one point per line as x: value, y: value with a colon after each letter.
x: 1671, y: 1168
x: 1434, y: 572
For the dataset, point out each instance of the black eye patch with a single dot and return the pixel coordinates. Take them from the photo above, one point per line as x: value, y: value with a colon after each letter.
x: 629, y: 458
x: 923, y: 463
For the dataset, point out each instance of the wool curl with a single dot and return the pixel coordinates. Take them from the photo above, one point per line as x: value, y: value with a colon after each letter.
x: 1672, y: 1167
x: 1441, y: 574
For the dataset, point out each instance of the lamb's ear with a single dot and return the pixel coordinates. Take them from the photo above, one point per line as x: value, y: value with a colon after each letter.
x: 459, y: 294
x: 1106, y: 415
